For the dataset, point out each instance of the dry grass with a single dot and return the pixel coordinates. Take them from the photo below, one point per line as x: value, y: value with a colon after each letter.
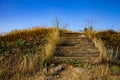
x: 108, y: 45
x: 22, y: 52
x: 111, y: 41
x: 104, y: 41
x: 106, y: 72
x: 103, y: 57
x: 99, y: 71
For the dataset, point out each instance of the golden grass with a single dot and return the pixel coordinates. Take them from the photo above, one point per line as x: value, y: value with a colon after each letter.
x: 109, y: 36
x: 99, y: 71
x: 98, y: 44
x: 102, y: 40
x: 22, y: 51
x: 109, y: 67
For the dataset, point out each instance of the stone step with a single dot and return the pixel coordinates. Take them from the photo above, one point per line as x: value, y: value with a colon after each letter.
x: 77, y: 50
x: 72, y: 34
x: 67, y: 44
x: 75, y: 39
x: 82, y: 47
x: 65, y: 37
x: 76, y: 47
x: 70, y: 59
x: 75, y: 44
x: 76, y: 54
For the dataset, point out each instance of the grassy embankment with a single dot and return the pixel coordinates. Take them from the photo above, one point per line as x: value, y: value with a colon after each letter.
x: 108, y: 44
x: 107, y: 66
x: 23, y: 52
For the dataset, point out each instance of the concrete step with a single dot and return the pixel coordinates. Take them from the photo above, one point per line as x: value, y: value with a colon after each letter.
x: 79, y: 44
x: 69, y: 59
x: 76, y: 54
x: 68, y: 43
x: 75, y: 39
x: 85, y: 50
x: 65, y: 37
x: 72, y: 34
x: 76, y: 42
x: 75, y: 48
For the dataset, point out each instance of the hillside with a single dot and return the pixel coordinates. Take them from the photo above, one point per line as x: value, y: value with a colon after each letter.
x: 57, y: 54
x: 23, y: 52
x: 111, y: 40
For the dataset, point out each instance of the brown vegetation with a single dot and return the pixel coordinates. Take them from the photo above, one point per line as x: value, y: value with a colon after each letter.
x: 107, y: 43
x: 23, y: 52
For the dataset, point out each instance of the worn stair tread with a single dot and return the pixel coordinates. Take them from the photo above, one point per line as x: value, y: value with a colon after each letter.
x: 77, y: 55
x: 72, y: 34
x: 81, y: 59
x: 73, y: 57
x: 75, y: 46
x: 77, y: 51
x: 74, y: 37
x: 75, y: 42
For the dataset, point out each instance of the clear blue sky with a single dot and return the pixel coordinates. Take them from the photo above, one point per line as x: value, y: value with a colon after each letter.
x: 21, y: 14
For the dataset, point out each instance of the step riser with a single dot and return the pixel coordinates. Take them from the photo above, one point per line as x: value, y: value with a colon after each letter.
x: 73, y: 35
x: 77, y: 50
x: 74, y: 44
x: 71, y: 48
x: 79, y: 42
x: 77, y: 39
x: 77, y: 55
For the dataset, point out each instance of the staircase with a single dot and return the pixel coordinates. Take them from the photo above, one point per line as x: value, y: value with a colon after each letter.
x: 77, y: 47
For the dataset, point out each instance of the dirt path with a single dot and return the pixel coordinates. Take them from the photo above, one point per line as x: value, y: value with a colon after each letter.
x: 62, y: 72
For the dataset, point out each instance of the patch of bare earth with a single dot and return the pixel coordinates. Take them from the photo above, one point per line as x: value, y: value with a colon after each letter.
x: 61, y: 72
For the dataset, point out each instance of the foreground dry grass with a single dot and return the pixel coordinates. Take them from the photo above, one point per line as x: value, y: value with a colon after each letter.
x: 23, y: 52
x: 84, y: 72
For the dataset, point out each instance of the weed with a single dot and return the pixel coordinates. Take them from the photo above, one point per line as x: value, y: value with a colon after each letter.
x: 114, y: 55
x: 75, y: 63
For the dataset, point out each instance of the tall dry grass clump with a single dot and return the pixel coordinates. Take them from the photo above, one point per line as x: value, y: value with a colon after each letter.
x: 107, y: 43
x: 23, y: 52
x: 111, y: 40
x: 103, y: 57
